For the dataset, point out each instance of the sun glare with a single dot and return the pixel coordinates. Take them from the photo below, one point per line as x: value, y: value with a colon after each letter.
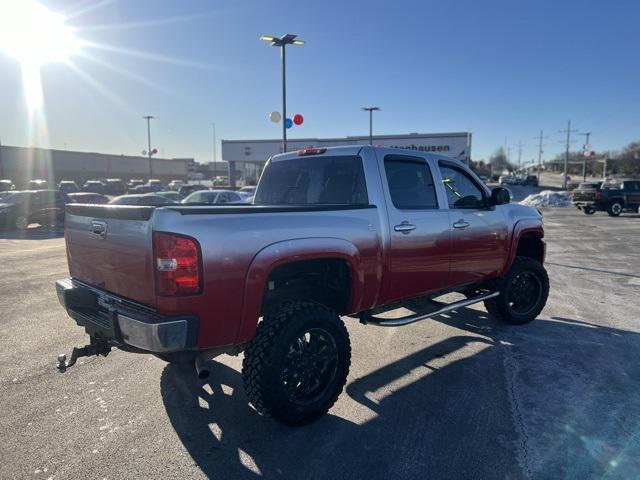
x: 31, y: 33
x: 34, y: 35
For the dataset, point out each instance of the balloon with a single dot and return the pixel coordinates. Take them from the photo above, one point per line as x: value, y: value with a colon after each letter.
x: 298, y: 119
x: 154, y: 151
x: 144, y: 152
x: 275, y: 117
x: 288, y: 123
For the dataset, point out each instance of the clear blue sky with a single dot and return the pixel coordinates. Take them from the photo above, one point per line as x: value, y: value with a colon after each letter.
x: 502, y: 69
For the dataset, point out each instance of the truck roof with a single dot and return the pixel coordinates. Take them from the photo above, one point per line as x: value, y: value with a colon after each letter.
x: 356, y: 149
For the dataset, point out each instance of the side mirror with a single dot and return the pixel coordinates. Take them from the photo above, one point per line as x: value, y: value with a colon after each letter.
x: 500, y: 196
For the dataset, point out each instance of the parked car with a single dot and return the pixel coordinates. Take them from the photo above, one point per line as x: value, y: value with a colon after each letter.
x: 506, y: 180
x: 37, y: 185
x: 186, y: 190
x: 19, y: 209
x: 141, y: 189
x: 88, y: 197
x: 147, y: 199
x: 6, y: 186
x: 334, y: 232
x: 173, y: 196
x: 68, y: 186
x: 94, y: 186
x: 530, y: 180
x: 175, y: 185
x: 244, y: 196
x: 214, y: 197
x: 134, y: 183
x: 114, y: 186
x: 611, y: 197
x: 250, y: 189
x: 156, y: 185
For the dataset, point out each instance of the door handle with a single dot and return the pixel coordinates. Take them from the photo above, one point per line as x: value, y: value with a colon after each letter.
x: 404, y: 227
x: 461, y: 224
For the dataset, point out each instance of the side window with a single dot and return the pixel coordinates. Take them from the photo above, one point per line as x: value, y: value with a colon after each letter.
x: 223, y: 198
x: 410, y: 183
x: 462, y: 191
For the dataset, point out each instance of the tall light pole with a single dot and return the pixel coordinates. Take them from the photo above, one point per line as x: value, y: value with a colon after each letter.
x: 215, y: 154
x: 371, y: 110
x: 148, y: 119
x: 282, y: 42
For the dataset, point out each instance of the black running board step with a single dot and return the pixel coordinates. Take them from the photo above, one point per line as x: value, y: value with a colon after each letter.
x: 367, y: 318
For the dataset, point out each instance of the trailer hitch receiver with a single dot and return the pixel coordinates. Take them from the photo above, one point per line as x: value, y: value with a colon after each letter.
x: 96, y: 347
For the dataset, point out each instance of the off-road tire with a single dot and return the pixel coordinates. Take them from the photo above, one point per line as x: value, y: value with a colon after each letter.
x: 266, y: 355
x: 500, y: 308
x: 589, y: 210
x: 615, y: 209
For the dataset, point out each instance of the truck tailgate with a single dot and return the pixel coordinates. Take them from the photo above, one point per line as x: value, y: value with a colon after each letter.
x: 111, y: 247
x: 584, y: 195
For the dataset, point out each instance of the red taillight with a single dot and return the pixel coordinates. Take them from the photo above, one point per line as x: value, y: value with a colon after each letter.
x: 597, y: 195
x: 311, y: 151
x: 177, y: 265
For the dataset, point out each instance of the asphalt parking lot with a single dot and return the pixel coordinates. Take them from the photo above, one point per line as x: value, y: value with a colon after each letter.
x: 455, y: 397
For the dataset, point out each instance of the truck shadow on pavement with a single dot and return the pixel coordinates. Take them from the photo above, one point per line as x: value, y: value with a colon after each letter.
x: 553, y: 399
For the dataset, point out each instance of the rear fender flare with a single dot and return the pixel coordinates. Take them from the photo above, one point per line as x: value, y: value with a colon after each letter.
x: 281, y: 253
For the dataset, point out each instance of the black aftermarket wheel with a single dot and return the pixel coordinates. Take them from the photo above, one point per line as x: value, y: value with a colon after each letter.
x: 615, y: 209
x: 296, y: 366
x: 523, y: 292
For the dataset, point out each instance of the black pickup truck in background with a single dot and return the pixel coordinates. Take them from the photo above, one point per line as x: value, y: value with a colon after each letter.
x: 611, y: 197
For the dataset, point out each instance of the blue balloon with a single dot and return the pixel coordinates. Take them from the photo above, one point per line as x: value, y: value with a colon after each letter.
x: 288, y: 123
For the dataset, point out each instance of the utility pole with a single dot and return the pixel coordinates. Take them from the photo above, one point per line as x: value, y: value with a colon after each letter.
x: 371, y: 110
x: 568, y: 131
x: 520, y: 145
x: 584, y: 155
x: 215, y: 153
x: 148, y: 118
x: 540, y: 152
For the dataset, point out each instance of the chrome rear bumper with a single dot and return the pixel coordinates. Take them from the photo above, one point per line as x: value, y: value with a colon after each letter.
x: 123, y: 322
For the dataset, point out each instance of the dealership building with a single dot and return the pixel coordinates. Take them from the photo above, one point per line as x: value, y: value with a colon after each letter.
x: 250, y: 156
x: 21, y: 164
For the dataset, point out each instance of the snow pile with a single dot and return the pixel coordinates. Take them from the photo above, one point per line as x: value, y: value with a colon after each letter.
x: 548, y: 198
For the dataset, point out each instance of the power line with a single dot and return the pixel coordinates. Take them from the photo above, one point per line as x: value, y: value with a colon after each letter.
x: 584, y: 155
x: 540, y: 138
x: 520, y: 145
x: 568, y: 142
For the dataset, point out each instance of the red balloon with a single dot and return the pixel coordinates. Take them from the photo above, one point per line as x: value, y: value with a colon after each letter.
x: 155, y: 150
x: 298, y: 119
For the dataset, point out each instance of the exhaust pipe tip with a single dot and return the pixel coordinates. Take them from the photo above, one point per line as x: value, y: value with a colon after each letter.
x: 202, y: 361
x: 201, y: 366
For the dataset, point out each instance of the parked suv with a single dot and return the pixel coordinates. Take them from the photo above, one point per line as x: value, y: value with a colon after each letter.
x: 20, y: 209
x: 333, y: 233
x: 612, y: 197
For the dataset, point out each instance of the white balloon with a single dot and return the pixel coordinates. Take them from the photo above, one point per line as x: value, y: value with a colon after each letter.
x: 275, y: 117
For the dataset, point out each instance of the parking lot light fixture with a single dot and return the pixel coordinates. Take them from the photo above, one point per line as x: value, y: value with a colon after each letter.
x: 371, y: 110
x: 282, y: 42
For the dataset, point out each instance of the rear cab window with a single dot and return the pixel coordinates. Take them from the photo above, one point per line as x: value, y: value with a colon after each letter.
x: 410, y: 183
x: 314, y: 180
